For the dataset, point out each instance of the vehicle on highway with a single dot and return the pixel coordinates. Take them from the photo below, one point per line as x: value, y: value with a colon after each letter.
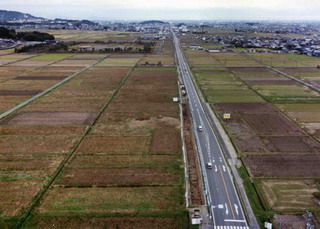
x: 200, y: 128
x: 209, y: 165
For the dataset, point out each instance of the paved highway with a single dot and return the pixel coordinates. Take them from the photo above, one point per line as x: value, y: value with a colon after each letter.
x: 223, y: 201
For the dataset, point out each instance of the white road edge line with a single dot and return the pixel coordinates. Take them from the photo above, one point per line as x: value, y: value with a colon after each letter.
x: 234, y: 220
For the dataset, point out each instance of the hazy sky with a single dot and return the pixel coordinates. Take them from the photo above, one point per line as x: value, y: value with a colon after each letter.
x: 168, y: 9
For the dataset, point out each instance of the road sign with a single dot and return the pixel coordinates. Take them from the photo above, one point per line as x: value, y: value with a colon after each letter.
x: 267, y: 225
x: 196, y: 221
x: 226, y: 116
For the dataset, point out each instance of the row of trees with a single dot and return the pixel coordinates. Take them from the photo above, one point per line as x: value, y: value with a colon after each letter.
x: 25, y: 36
x: 60, y: 47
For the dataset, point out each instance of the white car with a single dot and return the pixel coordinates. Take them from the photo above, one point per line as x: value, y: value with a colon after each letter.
x: 209, y: 165
x: 200, y: 128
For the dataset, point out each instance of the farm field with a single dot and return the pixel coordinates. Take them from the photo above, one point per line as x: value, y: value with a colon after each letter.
x: 309, y: 75
x: 286, y: 60
x: 274, y: 127
x: 120, y: 60
x: 26, y: 78
x: 13, y: 57
x: 233, y: 59
x: 6, y: 51
x: 103, y: 47
x: 112, y: 131
x: 220, y: 85
x: 289, y: 195
x: 157, y: 60
x: 126, y: 155
x: 306, y: 115
x: 90, y: 36
x: 167, y: 48
x: 36, y: 142
x: 200, y: 59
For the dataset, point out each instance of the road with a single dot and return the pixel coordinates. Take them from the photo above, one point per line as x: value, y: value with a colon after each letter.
x: 221, y: 194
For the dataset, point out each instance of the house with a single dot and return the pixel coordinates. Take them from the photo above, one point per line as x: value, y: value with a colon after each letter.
x: 194, y: 46
x: 213, y: 50
x: 316, y: 53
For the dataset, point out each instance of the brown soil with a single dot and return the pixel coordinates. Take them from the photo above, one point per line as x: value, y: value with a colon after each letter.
x: 128, y: 95
x: 155, y: 78
x: 244, y: 108
x: 271, y: 82
x: 251, y: 70
x: 42, y: 130
x: 73, y: 63
x: 40, y: 78
x: 156, y: 108
x: 313, y: 128
x: 103, y: 223
x: 291, y: 144
x: 85, y: 57
x: 236, y: 127
x: 19, y: 93
x: 123, y: 161
x: 17, y: 195
x: 130, y: 126
x: 39, y: 144
x: 71, y: 107
x: 6, y: 106
x: 21, y: 87
x: 315, y: 82
x: 279, y: 165
x: 72, y: 99
x: 299, y: 70
x: 249, y: 144
x: 292, y: 222
x: 126, y: 200
x: 118, y: 177
x: 28, y: 165
x: 114, y: 116
x: 54, y: 118
x: 272, y: 124
x: 166, y: 140
x: 305, y: 116
x: 114, y: 145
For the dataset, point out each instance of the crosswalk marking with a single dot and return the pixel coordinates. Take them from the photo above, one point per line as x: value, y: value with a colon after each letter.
x: 231, y: 227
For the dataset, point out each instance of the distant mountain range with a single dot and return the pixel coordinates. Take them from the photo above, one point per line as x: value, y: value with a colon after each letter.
x: 152, y: 22
x: 8, y: 16
x: 14, y: 18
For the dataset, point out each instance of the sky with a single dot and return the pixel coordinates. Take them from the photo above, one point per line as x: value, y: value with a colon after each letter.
x: 168, y: 9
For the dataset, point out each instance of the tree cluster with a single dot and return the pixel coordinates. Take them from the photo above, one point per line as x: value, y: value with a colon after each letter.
x: 60, y: 47
x: 25, y: 36
x: 7, y: 33
x: 147, y: 47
